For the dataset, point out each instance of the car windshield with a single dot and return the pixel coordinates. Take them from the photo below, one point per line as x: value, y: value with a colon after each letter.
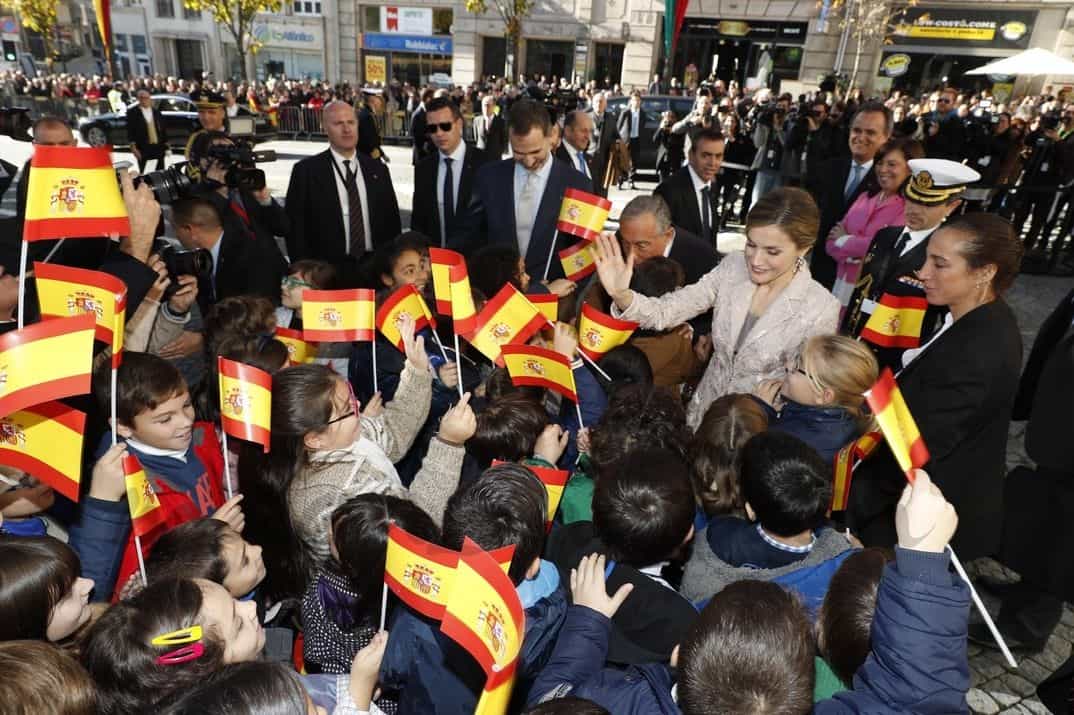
x: 175, y: 104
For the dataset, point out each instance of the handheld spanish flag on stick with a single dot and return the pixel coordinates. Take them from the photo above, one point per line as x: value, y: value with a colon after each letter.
x: 406, y: 301
x: 463, y: 312
x: 245, y: 407
x: 897, y: 424
x: 554, y: 481
x: 418, y: 572
x: 529, y: 365
x: 484, y: 615
x: 845, y: 461
x: 578, y: 261
x: 508, y: 318
x: 441, y: 261
x: 299, y: 352
x: 46, y: 361
x: 547, y: 303
x: 63, y: 291
x: 896, y: 322
x: 146, y: 511
x: 338, y: 316
x: 581, y: 214
x: 598, y: 332
x: 45, y: 441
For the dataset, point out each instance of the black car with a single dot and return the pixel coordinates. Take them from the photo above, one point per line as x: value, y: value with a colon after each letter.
x: 654, y: 107
x: 180, y: 121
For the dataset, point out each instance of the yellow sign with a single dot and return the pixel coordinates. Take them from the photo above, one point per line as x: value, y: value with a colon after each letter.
x: 895, y: 65
x: 734, y: 28
x: 376, y: 69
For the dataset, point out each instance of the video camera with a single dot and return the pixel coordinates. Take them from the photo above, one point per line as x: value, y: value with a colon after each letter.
x: 197, y: 262
x: 184, y: 180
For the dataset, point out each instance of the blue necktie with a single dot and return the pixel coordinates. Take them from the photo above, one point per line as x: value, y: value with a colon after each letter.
x: 857, y: 170
x: 581, y: 164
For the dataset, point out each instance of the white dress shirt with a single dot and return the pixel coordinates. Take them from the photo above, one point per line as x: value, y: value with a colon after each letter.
x: 635, y: 116
x: 699, y: 184
x: 457, y: 157
x: 344, y: 201
x: 541, y: 177
x: 916, y: 237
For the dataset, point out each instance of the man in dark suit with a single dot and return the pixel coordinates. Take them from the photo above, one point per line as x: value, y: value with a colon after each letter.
x: 7, y: 176
x: 838, y: 182
x: 1038, y: 528
x: 605, y: 134
x: 631, y: 127
x: 361, y: 214
x: 422, y: 146
x: 690, y: 192
x: 444, y: 181
x: 577, y: 137
x: 145, y: 129
x: 657, y: 85
x: 517, y: 200
x: 490, y: 129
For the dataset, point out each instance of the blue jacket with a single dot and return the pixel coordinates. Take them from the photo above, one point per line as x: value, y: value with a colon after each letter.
x: 593, y: 402
x: 825, y: 429
x: 918, y: 663
x: 434, y: 675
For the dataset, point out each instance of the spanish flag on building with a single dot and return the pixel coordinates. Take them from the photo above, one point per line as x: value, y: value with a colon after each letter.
x: 897, y: 424
x: 245, y: 401
x: 146, y: 511
x: 45, y: 441
x: 421, y: 574
x: 531, y: 366
x: 583, y: 214
x: 46, y: 361
x: 598, y: 332
x: 896, y: 322
x: 547, y: 303
x: 73, y: 193
x: 484, y: 616
x: 578, y: 261
x: 845, y: 461
x: 299, y: 351
x: 508, y: 318
x: 441, y: 261
x: 463, y: 312
x: 338, y: 316
x: 406, y: 301
x: 63, y: 291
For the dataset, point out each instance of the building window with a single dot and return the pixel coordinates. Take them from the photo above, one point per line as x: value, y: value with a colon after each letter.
x: 138, y: 44
x: 307, y: 7
x: 165, y: 8
x: 189, y: 14
x: 121, y: 42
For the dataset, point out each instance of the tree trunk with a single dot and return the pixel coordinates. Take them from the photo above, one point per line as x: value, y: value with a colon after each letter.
x: 857, y: 64
x: 510, y: 66
x: 249, y: 68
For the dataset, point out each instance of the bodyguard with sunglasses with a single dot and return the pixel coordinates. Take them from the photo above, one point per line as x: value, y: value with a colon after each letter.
x: 443, y: 181
x: 945, y: 137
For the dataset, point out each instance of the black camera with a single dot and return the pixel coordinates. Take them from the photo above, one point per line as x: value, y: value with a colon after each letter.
x: 15, y: 123
x: 168, y: 185
x: 197, y: 262
x: 238, y: 160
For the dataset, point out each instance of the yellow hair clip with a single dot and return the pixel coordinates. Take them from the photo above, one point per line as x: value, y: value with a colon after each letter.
x: 180, y: 637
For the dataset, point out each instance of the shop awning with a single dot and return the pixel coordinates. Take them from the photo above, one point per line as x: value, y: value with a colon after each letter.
x: 1035, y: 61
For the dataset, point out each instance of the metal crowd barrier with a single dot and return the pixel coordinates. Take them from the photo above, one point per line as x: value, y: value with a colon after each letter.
x: 300, y: 122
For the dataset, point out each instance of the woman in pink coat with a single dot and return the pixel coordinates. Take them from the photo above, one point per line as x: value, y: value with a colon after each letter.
x: 764, y: 302
x: 850, y: 238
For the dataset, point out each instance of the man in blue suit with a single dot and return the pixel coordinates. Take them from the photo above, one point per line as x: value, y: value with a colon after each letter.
x: 517, y: 200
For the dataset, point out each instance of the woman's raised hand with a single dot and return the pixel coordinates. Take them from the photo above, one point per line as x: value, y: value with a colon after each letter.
x: 614, y: 272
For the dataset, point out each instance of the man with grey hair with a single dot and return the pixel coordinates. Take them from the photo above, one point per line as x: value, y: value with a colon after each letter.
x: 646, y: 230
x: 577, y: 141
x: 490, y: 129
x: 605, y: 134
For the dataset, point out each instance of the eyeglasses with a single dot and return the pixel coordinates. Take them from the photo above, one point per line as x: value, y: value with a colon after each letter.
x: 442, y: 126
x: 352, y: 413
x: 292, y: 282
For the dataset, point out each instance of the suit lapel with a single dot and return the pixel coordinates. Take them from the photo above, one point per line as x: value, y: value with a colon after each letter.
x: 786, y: 308
x: 466, y: 179
x: 328, y: 188
x: 690, y: 196
x: 430, y: 190
x: 546, y: 212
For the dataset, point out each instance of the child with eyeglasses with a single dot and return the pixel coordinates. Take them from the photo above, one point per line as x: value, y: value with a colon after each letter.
x: 301, y: 275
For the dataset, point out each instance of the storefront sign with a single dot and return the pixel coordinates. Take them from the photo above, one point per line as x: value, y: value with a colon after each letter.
x: 298, y: 37
x: 376, y: 69
x: 751, y: 30
x: 895, y: 65
x: 1000, y: 29
x: 407, y: 43
x: 406, y: 20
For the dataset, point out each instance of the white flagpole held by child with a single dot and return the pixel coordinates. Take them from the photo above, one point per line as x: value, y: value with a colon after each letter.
x: 227, y: 466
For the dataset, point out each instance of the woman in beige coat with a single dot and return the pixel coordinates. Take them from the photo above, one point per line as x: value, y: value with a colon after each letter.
x: 764, y: 302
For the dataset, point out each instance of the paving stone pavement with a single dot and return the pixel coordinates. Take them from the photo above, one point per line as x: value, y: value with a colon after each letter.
x: 996, y: 688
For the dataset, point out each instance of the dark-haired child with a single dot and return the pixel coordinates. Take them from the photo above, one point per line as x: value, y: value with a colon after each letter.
x: 432, y: 673
x: 42, y: 596
x: 787, y: 490
x: 181, y: 457
x: 643, y: 517
x: 43, y: 679
x: 752, y: 649
x: 308, y: 274
x: 670, y: 352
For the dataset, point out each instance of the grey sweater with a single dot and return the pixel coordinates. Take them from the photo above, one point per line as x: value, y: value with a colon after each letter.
x: 706, y: 575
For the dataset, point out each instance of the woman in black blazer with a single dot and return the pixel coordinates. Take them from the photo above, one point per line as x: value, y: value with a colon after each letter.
x: 960, y: 388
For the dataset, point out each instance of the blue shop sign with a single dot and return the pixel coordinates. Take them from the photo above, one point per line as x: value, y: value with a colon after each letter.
x: 406, y: 43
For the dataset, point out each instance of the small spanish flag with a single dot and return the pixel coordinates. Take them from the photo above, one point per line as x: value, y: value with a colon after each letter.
x: 845, y: 461
x: 46, y: 361
x: 583, y: 214
x: 547, y: 303
x: 421, y: 574
x: 508, y: 318
x: 484, y: 615
x: 64, y: 291
x: 441, y: 261
x: 532, y: 366
x: 896, y: 322
x: 888, y: 406
x: 598, y: 332
x: 554, y: 481
x: 338, y: 316
x: 45, y: 441
x: 299, y: 351
x: 73, y: 193
x: 578, y: 261
x: 495, y: 699
x: 245, y: 402
x: 406, y: 301
x: 463, y: 312
x: 146, y: 511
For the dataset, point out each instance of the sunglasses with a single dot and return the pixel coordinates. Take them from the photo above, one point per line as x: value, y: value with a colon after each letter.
x: 442, y: 126
x: 352, y: 413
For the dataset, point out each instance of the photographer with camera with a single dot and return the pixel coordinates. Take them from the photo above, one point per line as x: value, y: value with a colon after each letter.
x: 1043, y: 174
x: 698, y: 120
x: 945, y: 134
